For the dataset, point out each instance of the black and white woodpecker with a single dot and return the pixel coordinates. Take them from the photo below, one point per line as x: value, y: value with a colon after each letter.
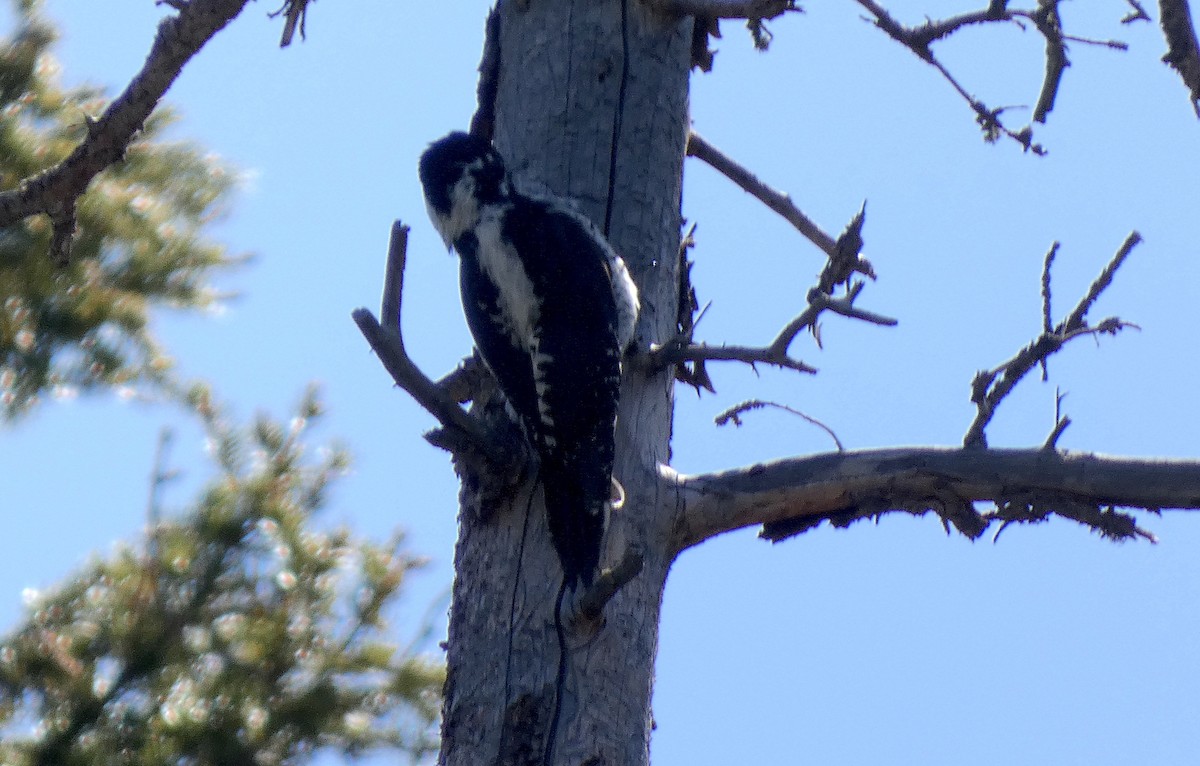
x: 552, y: 310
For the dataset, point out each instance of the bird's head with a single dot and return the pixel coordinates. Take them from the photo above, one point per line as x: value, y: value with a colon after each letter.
x: 460, y: 174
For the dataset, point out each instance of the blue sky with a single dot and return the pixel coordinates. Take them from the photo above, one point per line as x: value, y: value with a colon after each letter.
x: 886, y: 643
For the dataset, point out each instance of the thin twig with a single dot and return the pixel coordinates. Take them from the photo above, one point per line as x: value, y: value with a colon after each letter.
x: 1060, y: 423
x: 1049, y: 23
x: 1079, y: 315
x: 1136, y: 13
x: 1047, y: 322
x: 733, y: 415
x: 702, y: 352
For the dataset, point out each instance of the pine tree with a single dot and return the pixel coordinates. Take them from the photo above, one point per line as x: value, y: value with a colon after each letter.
x: 237, y: 633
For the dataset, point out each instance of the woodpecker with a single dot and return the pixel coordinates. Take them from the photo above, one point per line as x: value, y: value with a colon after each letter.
x: 552, y: 310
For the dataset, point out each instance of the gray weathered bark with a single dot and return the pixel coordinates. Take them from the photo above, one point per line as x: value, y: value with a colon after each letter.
x: 592, y: 105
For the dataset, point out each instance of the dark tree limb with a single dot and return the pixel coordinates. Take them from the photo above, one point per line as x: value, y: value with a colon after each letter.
x: 1136, y: 13
x: 990, y: 387
x: 1182, y: 53
x: 1026, y: 485
x: 295, y: 13
x: 1045, y: 18
x: 55, y: 190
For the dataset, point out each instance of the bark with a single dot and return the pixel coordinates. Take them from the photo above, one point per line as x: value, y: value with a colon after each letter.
x: 591, y: 105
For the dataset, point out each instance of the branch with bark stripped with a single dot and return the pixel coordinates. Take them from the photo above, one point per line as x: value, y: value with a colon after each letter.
x: 788, y: 497
x: 54, y: 191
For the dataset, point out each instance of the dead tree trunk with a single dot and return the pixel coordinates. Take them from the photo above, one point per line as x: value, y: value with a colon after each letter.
x: 592, y: 106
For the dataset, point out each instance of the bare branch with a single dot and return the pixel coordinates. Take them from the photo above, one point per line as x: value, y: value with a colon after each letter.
x: 781, y: 203
x: 702, y: 352
x: 1060, y: 424
x: 295, y: 13
x: 1136, y: 13
x: 1045, y: 18
x: 845, y: 260
x: 1026, y: 485
x: 990, y: 387
x: 1049, y: 23
x: 1182, y: 53
x: 464, y: 435
x: 1078, y: 316
x: 1047, y: 321
x: 733, y: 415
x: 55, y: 190
x: 393, y: 278
x: 728, y: 9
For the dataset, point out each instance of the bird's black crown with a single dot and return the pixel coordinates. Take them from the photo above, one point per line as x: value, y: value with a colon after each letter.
x: 447, y: 159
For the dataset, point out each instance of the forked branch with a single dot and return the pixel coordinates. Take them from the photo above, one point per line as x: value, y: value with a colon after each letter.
x: 462, y: 433
x: 1045, y: 18
x: 990, y: 387
x: 836, y: 289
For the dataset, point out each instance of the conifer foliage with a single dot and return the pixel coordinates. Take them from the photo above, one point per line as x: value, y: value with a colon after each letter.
x: 236, y: 634
x: 140, y: 241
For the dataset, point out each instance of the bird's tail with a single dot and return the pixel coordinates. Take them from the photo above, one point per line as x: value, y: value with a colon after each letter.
x: 577, y: 516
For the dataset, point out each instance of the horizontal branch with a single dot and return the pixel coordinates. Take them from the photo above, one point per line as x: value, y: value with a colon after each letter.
x: 1025, y: 484
x: 703, y: 352
x: 55, y: 190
